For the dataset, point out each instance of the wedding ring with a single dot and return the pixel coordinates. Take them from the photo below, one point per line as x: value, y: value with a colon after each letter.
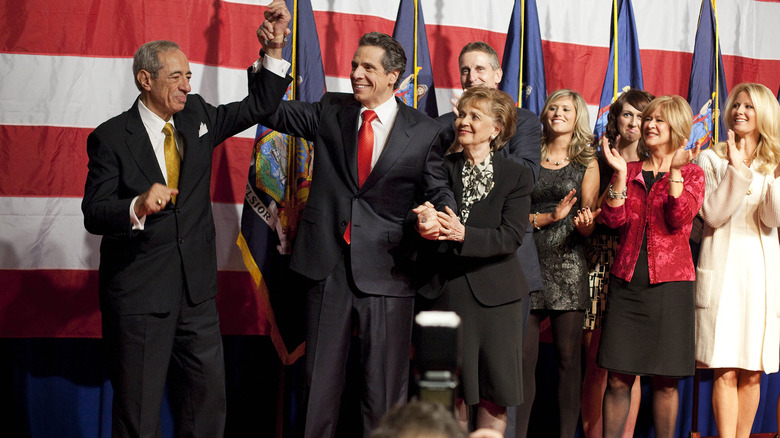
x: 159, y: 201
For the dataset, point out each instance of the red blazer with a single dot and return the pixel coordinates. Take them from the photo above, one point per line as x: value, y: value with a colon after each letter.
x: 668, y: 222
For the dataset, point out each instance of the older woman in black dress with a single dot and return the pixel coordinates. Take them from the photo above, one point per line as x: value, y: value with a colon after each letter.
x: 475, y: 270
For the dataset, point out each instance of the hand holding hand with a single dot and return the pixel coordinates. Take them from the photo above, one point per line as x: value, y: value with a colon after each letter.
x: 274, y: 29
x: 564, y: 206
x: 427, y: 223
x: 450, y: 226
x: 154, y: 200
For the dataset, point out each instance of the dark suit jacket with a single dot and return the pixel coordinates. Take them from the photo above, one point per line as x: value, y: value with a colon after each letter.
x: 409, y: 171
x: 525, y: 148
x: 145, y: 271
x: 485, y: 262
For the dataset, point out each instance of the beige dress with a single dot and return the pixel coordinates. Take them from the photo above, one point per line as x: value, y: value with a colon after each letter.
x: 738, y: 275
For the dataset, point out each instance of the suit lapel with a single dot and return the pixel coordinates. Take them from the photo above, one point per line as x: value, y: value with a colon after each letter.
x: 187, y: 126
x: 347, y: 118
x: 397, y: 141
x: 456, y: 181
x: 141, y: 148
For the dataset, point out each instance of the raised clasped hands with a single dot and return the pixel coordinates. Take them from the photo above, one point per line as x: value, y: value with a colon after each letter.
x: 275, y: 27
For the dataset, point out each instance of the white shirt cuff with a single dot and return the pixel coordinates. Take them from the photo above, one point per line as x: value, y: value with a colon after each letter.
x: 279, y: 67
x: 138, y: 224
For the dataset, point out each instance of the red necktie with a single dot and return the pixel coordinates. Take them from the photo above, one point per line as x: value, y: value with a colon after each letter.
x: 365, y: 154
x: 365, y: 146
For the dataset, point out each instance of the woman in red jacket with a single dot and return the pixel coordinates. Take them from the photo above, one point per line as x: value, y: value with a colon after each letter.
x: 649, y: 322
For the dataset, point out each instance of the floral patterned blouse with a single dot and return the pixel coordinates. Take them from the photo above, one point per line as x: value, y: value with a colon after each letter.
x: 477, y: 182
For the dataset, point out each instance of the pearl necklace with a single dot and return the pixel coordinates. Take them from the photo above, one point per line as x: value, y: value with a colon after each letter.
x: 556, y: 163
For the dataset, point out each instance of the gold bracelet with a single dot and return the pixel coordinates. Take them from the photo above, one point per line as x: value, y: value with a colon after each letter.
x: 681, y: 180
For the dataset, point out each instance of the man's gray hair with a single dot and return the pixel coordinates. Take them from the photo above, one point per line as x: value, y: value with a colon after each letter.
x: 146, y: 58
x: 481, y: 46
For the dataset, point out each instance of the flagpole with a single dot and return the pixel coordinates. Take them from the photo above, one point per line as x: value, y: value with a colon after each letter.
x: 414, y: 67
x: 615, y: 45
x: 522, y: 53
x: 716, y: 113
x: 294, y: 69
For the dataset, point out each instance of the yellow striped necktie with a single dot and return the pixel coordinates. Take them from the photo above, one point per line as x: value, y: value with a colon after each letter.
x: 172, y: 159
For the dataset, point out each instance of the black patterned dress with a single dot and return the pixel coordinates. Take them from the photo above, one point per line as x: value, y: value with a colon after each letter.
x: 560, y: 245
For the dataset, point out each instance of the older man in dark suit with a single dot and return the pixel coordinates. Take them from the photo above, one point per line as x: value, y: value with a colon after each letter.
x: 147, y: 194
x: 374, y: 157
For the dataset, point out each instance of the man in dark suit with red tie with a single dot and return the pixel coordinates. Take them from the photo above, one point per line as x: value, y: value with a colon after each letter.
x: 147, y: 193
x: 358, y: 227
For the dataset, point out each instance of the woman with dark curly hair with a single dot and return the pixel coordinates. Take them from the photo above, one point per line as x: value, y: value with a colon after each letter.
x: 622, y: 133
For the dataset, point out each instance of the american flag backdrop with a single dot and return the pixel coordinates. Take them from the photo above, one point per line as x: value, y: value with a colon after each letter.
x: 65, y: 67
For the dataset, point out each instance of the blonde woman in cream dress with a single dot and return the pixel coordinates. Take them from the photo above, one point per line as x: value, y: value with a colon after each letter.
x: 738, y: 276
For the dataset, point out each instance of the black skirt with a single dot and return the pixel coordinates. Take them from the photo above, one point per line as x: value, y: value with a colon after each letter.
x: 648, y: 329
x: 491, y: 360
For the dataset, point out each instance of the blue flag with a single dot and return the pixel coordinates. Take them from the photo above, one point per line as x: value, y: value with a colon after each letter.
x: 707, y: 92
x: 409, y: 30
x: 523, y: 53
x: 276, y: 192
x: 624, y: 69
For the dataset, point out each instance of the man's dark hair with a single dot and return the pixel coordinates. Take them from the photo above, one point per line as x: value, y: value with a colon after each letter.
x: 419, y: 418
x: 147, y: 58
x: 394, y: 57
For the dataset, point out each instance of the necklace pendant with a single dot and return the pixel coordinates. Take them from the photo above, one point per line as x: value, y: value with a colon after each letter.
x: 556, y: 163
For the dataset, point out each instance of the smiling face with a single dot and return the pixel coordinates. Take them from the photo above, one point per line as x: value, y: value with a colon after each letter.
x: 371, y: 84
x: 166, y: 94
x: 656, y: 132
x: 743, y: 115
x: 628, y: 124
x: 475, y: 128
x: 561, y: 116
x: 475, y: 70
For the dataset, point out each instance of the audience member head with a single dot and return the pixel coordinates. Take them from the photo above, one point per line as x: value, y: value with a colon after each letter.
x: 495, y: 104
x: 418, y: 419
x: 758, y: 112
x: 625, y: 116
x: 392, y: 57
x: 578, y: 128
x: 479, y: 65
x: 676, y: 113
x: 162, y: 74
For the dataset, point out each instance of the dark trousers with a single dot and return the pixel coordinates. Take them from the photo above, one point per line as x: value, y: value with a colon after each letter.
x: 335, y: 308
x: 183, y: 346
